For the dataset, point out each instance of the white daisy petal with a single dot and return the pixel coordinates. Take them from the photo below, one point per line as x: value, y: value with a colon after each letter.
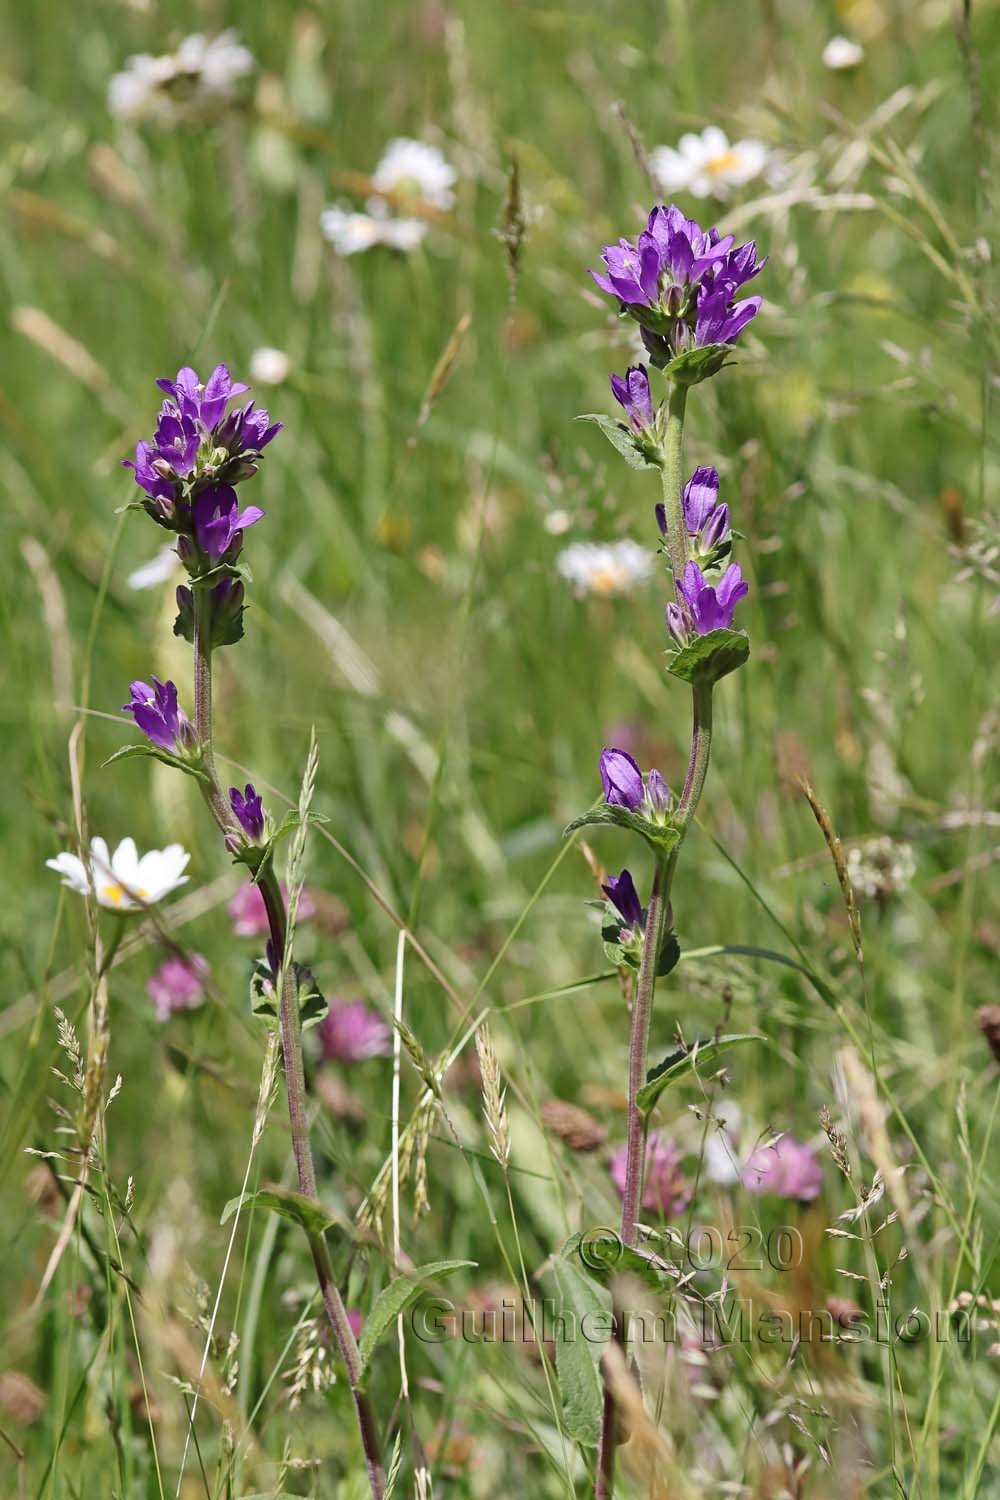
x: 70, y: 867
x: 841, y: 52
x: 125, y: 862
x: 158, y: 570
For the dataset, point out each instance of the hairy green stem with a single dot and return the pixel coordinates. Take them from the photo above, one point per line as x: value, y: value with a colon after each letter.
x: 642, y: 1011
x: 211, y: 789
x: 291, y: 1047
x: 671, y: 474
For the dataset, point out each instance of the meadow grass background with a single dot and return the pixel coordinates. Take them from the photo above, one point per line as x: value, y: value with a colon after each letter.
x: 406, y: 603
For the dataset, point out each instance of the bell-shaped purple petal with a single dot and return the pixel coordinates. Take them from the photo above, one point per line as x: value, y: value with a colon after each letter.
x: 217, y: 519
x: 621, y: 780
x: 658, y: 793
x: 156, y: 486
x: 248, y: 811
x: 701, y: 495
x: 632, y: 392
x: 714, y: 531
x: 156, y: 711
x: 732, y: 589
x: 711, y: 608
x: 677, y: 624
x: 621, y: 892
x: 719, y: 320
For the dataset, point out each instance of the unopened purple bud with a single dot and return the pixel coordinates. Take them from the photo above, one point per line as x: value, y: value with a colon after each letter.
x: 714, y: 531
x: 676, y: 624
x: 633, y: 394
x: 621, y: 892
x: 658, y: 793
x: 162, y: 467
x: 185, y: 550
x: 661, y: 519
x: 248, y: 811
x: 701, y: 496
x: 621, y: 779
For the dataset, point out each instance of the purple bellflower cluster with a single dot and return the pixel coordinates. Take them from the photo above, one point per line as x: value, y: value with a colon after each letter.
x: 201, y: 449
x: 684, y: 287
x: 680, y: 283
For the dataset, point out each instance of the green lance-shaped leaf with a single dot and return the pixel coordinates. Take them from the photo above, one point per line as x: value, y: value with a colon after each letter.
x: 397, y: 1297
x: 584, y: 1309
x: 290, y: 1205
x: 696, y: 365
x: 132, y: 752
x: 685, y: 1061
x: 662, y: 837
x: 706, y: 658
x: 638, y: 452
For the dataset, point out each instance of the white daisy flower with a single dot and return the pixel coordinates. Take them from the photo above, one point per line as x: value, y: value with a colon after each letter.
x: 269, y: 366
x: 349, y: 233
x: 605, y: 568
x: 159, y: 569
x: 159, y: 87
x: 412, y: 169
x: 123, y: 881
x: 840, y: 53
x: 881, y: 867
x: 707, y: 165
x: 216, y: 64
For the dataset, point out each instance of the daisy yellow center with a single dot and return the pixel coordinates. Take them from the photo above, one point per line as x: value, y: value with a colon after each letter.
x: 724, y: 162
x: 116, y: 894
x: 607, y: 580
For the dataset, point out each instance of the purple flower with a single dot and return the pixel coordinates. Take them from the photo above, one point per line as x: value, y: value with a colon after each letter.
x: 248, y: 811
x: 632, y: 392
x: 621, y: 892
x: 202, y: 403
x: 198, y: 445
x: 178, y: 984
x: 705, y: 608
x: 621, y: 780
x: 156, y: 711
x: 658, y: 794
x: 351, y: 1032
x: 664, y: 1191
x: 679, y: 281
x: 248, y: 429
x: 704, y: 518
x: 624, y: 787
x: 161, y: 491
x: 720, y: 320
x: 218, y: 519
x: 787, y: 1169
x: 249, y: 914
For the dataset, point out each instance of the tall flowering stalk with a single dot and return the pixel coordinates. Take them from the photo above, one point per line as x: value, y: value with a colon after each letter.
x: 202, y: 448
x: 682, y: 285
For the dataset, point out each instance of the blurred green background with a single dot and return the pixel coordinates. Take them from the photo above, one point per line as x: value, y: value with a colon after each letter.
x: 406, y: 601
